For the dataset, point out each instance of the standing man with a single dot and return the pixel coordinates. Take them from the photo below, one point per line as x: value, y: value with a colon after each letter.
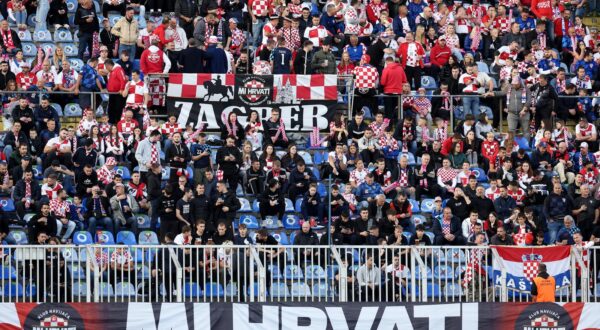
x: 543, y: 286
x: 87, y: 20
x: 281, y: 58
x: 116, y: 83
x: 365, y: 83
x: 411, y: 55
x: 148, y: 152
x: 127, y: 30
x: 259, y: 11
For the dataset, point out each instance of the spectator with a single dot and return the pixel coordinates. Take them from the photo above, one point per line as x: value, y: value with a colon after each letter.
x: 368, y: 277
x: 86, y: 19
x: 127, y: 30
x: 447, y: 230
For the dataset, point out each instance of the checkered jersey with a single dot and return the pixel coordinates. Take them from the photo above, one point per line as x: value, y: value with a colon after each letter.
x: 127, y: 127
x: 518, y: 196
x: 26, y: 80
x: 136, y: 92
x: 105, y: 175
x: 168, y: 129
x: 51, y: 192
x: 85, y: 126
x: 260, y: 8
x: 59, y: 208
x: 366, y: 76
x: 502, y: 24
x: 358, y: 176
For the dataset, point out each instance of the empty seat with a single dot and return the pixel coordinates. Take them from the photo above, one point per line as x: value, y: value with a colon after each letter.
x: 279, y: 290
x: 126, y: 237
x: 427, y: 205
x: 73, y: 109
x: 479, y: 174
x: 298, y: 206
x: 293, y: 272
x: 428, y: 275
x: 321, y: 290
x: 453, y: 290
x: 255, y: 206
x: 17, y: 236
x: 231, y: 290
x: 275, y: 273
x: 455, y: 255
x: 289, y: 205
x: 250, y: 222
x: 79, y: 289
x: 245, y: 205
x: 24, y: 35
x: 428, y: 82
x: 143, y: 221
x: 106, y: 290
x: 270, y: 222
x: 148, y: 237
x: 306, y: 157
x: 431, y: 236
x: 419, y: 219
x: 77, y: 272
x: 143, y: 272
x: 281, y: 237
x: 443, y: 272
x: 8, y: 273
x: 63, y: 35
x: 483, y: 67
x: 291, y: 222
x: 71, y: 6
x: 76, y: 64
x: 7, y: 204
x: 315, y: 272
x: 414, y: 206
x: 13, y: 289
x: 192, y: 290
x: 105, y: 237
x: 300, y: 289
x: 42, y: 36
x: 214, y: 290
x: 37, y: 172
x: 82, y: 238
x: 125, y: 289
x: 123, y: 172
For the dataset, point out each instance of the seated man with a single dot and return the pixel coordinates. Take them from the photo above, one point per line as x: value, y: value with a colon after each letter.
x: 124, y: 208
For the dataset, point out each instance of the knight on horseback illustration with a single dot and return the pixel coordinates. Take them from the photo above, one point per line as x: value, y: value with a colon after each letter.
x: 215, y: 87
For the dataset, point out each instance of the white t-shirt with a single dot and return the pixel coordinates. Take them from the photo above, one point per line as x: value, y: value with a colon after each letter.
x: 63, y: 145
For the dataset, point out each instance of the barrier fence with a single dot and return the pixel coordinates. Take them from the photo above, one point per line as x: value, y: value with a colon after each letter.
x: 171, y: 273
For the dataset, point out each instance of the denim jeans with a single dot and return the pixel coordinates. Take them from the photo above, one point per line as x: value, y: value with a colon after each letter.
x: 470, y: 105
x: 8, y: 150
x: 129, y: 48
x: 553, y: 228
x: 106, y: 222
x: 20, y: 17
x: 257, y: 30
x: 488, y: 112
x: 85, y: 41
x: 41, y: 15
x: 141, y: 11
x: 70, y: 228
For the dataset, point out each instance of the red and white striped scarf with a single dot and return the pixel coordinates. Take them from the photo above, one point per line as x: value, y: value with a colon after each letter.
x: 280, y: 131
x: 231, y: 127
x: 474, y: 266
x: 423, y: 181
x: 7, y: 39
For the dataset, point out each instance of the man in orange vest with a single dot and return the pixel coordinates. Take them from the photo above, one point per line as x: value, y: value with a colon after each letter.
x: 543, y: 287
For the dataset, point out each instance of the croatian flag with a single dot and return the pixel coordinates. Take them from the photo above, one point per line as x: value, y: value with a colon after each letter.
x: 521, y: 264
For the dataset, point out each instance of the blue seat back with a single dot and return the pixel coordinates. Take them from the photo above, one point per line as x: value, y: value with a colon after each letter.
x: 82, y: 238
x: 126, y: 237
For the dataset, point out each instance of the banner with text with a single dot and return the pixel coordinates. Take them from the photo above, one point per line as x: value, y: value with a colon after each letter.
x: 305, y: 101
x: 313, y: 316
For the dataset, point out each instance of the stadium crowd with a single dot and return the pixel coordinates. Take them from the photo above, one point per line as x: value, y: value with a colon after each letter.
x: 534, y: 62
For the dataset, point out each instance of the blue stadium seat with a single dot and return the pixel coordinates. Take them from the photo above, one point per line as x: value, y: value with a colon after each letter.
x: 37, y: 172
x: 455, y: 256
x: 42, y: 36
x: 407, y: 235
x: 331, y: 271
x: 250, y: 221
x: 315, y: 272
x: 443, y: 272
x: 564, y: 66
x: 319, y: 157
x: 431, y: 236
x: 214, y: 290
x: 123, y: 171
x: 113, y: 19
x: 239, y: 191
x: 300, y: 289
x: 58, y: 109
x: 281, y: 237
x: 106, y: 290
x: 280, y: 290
x: 166, y: 173
x: 453, y: 290
x: 414, y: 206
x: 231, y: 290
x: 270, y: 222
x: 17, y: 236
x: 428, y: 82
x: 76, y: 64
x: 7, y: 204
x: 316, y: 173
x: 483, y: 67
x: 289, y: 205
x: 126, y: 237
x: 321, y: 189
x: 321, y: 290
x: 306, y: 156
x: 63, y: 35
x: 125, y: 289
x: 254, y: 290
x: 82, y: 238
x: 275, y: 273
x: 25, y: 36
x: 31, y: 20
x: 71, y: 6
x: 419, y: 219
x: 13, y: 289
x: 245, y: 205
x: 73, y: 109
x: 427, y: 205
x: 148, y: 237
x: 192, y: 290
x: 8, y: 273
x: 292, y: 237
x: 291, y: 222
x: 428, y: 275
x: 70, y: 254
x: 255, y: 206
x: 76, y: 272
x: 143, y: 221
x: 104, y: 237
x: 79, y: 289
x: 293, y: 272
x: 523, y: 143
x: 433, y: 290
x: 479, y: 174
x: 143, y: 273
x: 299, y: 205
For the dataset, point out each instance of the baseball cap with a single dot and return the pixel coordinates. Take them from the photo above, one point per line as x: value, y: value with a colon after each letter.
x: 437, y: 199
x: 26, y: 157
x: 233, y: 20
x: 543, y: 144
x: 583, y: 145
x: 213, y: 40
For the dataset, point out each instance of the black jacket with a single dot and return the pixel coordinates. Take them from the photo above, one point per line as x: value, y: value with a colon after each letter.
x: 19, y: 191
x: 4, y: 78
x: 89, y: 205
x: 455, y: 227
x: 36, y: 227
x: 302, y: 62
x: 15, y: 38
x: 229, y: 200
x: 153, y: 182
x: 10, y: 138
x: 229, y: 167
x: 192, y: 60
x: 181, y: 150
x: 303, y: 238
x: 84, y: 182
x: 80, y: 19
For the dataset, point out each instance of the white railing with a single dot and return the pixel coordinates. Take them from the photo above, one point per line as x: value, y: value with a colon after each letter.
x: 170, y: 273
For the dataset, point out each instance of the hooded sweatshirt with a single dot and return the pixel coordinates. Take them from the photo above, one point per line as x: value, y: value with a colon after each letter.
x: 154, y: 60
x: 392, y: 78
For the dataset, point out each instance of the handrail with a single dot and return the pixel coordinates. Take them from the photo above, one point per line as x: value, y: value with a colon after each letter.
x: 585, y: 282
x: 179, y: 274
x: 423, y: 270
x: 90, y: 258
x: 343, y: 287
x: 503, y: 287
x: 262, y: 276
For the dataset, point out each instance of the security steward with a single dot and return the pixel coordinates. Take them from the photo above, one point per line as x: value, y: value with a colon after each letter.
x: 543, y: 287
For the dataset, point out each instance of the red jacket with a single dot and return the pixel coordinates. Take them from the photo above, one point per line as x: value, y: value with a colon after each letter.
x: 152, y: 60
x: 558, y: 27
x: 116, y: 79
x: 439, y: 55
x: 447, y: 147
x: 392, y: 78
x: 403, y: 53
x: 542, y: 8
x: 160, y: 33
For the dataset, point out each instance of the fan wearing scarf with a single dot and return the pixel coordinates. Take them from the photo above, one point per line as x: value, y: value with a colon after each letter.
x: 518, y: 99
x: 275, y: 130
x: 232, y: 127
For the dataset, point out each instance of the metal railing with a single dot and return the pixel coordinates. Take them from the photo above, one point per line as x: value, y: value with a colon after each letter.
x: 210, y: 273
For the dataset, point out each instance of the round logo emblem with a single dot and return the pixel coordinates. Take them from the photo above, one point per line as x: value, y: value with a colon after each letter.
x: 544, y: 316
x: 254, y: 90
x: 54, y: 316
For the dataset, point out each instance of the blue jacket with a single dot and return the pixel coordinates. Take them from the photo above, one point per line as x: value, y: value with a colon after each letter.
x: 365, y: 191
x: 216, y: 59
x: 577, y: 157
x: 591, y: 68
x: 414, y: 9
x: 398, y: 26
x: 529, y: 23
x: 557, y: 206
x: 504, y: 207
